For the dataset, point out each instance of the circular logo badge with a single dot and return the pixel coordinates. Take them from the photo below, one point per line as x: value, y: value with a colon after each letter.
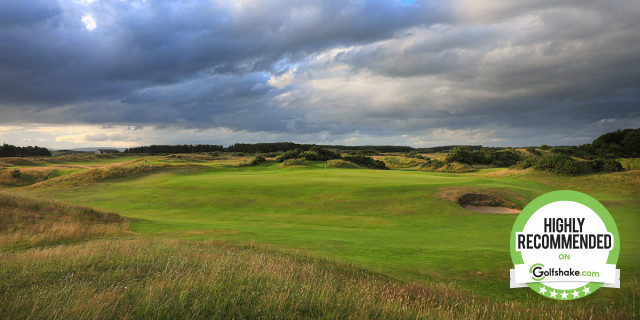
x: 565, y: 246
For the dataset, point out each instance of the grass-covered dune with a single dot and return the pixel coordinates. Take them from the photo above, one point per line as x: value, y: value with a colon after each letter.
x: 122, y: 276
x: 26, y: 222
x: 212, y: 238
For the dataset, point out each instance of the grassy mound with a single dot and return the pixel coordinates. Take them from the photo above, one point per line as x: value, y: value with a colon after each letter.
x: 26, y: 177
x: 293, y: 163
x: 71, y: 158
x: 170, y: 279
x: 341, y: 164
x: 26, y: 222
x: 120, y: 170
x: 439, y: 166
x: 401, y: 163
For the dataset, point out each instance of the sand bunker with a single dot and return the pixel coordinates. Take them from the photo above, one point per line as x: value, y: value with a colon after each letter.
x: 487, y: 203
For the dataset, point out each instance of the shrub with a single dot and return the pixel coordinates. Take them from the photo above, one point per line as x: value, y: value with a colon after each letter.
x: 460, y: 154
x: 431, y: 165
x: 291, y: 154
x: 370, y: 152
x: 544, y: 147
x: 505, y: 158
x: 397, y: 162
x: 456, y: 167
x: 365, y: 161
x: 606, y: 165
x: 16, y: 173
x: 258, y: 160
x: 310, y: 155
x: 558, y: 163
x: 525, y: 163
x: 533, y: 151
x: 293, y: 162
x: 324, y: 154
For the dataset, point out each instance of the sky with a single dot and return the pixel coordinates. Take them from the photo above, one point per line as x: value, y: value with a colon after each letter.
x: 121, y: 73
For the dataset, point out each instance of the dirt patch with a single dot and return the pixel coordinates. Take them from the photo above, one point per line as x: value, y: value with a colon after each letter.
x: 486, y: 203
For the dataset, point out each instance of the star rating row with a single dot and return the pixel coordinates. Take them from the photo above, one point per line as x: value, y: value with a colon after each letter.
x: 564, y: 294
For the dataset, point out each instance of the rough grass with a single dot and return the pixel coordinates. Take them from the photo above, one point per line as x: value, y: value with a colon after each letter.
x: 293, y: 163
x: 27, y: 222
x: 453, y: 167
x: 392, y: 223
x: 125, y: 169
x: 27, y: 176
x: 401, y: 162
x: 336, y: 163
x: 630, y: 163
x: 170, y: 279
x: 38, y: 161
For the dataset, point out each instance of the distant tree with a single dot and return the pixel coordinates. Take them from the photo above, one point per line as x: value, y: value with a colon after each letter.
x: 7, y: 150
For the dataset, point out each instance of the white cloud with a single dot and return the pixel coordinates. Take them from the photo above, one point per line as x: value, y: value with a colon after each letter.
x: 89, y: 22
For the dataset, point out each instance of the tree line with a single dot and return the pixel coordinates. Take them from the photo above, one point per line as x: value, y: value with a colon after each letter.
x: 8, y: 150
x: 181, y: 148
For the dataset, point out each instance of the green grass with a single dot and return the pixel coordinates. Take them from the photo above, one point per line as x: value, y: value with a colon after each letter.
x: 405, y: 225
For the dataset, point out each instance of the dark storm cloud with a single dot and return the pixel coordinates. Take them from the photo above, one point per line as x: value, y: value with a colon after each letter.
x: 48, y: 57
x: 381, y: 68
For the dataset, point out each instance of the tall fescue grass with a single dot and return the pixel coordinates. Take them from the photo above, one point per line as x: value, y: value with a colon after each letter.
x: 26, y: 222
x: 170, y: 279
x: 453, y: 167
x: 27, y: 176
x: 293, y: 162
x: 337, y: 163
x: 630, y: 163
x: 119, y: 170
x: 34, y: 161
x: 401, y: 162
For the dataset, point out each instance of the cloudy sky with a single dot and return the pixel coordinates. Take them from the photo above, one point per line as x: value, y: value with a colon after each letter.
x: 421, y: 73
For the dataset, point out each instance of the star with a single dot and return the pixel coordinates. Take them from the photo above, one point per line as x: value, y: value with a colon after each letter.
x: 553, y: 293
x: 576, y: 293
x: 586, y: 290
x: 542, y: 290
x: 564, y: 295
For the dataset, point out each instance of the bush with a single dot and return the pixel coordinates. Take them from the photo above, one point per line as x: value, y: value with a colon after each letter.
x: 258, y: 160
x: 505, y: 158
x: 606, y: 165
x: 533, y: 151
x: 293, y: 162
x: 456, y: 167
x: 544, y: 147
x: 397, y: 162
x: 460, y: 154
x: 559, y: 164
x: 463, y: 154
x: 16, y: 173
x: 431, y: 165
x: 365, y: 161
x: 291, y: 154
x: 324, y: 154
x: 525, y: 163
x: 310, y: 155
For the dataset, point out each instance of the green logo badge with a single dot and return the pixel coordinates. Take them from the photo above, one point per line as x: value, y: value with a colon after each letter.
x: 565, y: 245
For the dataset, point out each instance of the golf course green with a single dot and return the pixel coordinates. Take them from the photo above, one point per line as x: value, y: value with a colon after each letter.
x: 402, y: 225
x: 406, y: 224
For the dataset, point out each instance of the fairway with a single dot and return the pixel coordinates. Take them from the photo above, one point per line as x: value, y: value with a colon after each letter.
x: 404, y: 224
